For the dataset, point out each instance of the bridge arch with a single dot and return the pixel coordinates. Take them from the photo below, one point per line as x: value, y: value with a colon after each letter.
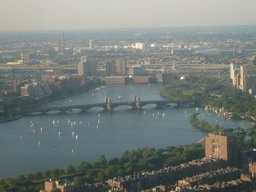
x: 95, y: 109
x: 52, y: 112
x: 74, y: 110
x: 122, y: 107
x: 148, y: 106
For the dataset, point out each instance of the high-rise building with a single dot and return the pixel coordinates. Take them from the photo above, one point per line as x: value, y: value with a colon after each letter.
x: 121, y: 68
x: 110, y: 67
x: 234, y: 70
x: 87, y: 67
x: 222, y: 146
x: 245, y: 71
x: 91, y: 44
x: 63, y: 44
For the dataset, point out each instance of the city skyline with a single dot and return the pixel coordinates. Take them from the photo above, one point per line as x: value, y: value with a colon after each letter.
x: 96, y: 14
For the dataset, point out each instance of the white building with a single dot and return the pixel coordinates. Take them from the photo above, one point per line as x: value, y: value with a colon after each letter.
x: 234, y: 70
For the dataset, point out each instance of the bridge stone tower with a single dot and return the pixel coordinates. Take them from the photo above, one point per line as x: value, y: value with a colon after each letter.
x: 134, y: 98
x: 109, y: 105
x: 138, y: 104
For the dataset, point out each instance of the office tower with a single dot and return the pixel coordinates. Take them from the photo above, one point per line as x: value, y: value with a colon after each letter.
x: 121, y: 68
x: 245, y: 72
x: 222, y: 146
x: 87, y: 67
x: 110, y: 67
x: 63, y: 44
x: 90, y: 44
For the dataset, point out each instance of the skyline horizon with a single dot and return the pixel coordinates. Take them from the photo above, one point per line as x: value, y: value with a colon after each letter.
x: 124, y: 29
x: 27, y: 15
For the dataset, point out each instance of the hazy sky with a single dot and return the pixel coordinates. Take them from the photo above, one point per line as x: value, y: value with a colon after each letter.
x: 100, y: 14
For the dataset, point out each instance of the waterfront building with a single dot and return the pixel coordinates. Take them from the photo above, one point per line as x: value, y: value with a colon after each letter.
x: 222, y: 146
x: 36, y: 90
x: 115, y: 79
x: 143, y: 79
x: 137, y: 70
x: 58, y: 185
x: 80, y: 77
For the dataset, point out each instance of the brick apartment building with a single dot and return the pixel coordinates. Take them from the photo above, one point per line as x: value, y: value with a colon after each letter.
x: 222, y: 146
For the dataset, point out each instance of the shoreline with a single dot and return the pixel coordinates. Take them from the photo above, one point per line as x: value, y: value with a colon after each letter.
x: 50, y: 99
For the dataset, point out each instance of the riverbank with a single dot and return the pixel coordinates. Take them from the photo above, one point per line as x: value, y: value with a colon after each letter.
x: 58, y: 95
x: 7, y: 119
x: 205, y: 126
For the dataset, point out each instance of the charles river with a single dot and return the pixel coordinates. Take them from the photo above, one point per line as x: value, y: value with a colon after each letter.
x: 36, y: 143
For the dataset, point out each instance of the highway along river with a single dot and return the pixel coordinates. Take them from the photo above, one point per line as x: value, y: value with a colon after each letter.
x: 40, y: 142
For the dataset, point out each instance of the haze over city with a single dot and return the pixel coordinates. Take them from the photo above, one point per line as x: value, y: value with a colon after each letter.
x: 16, y: 15
x: 127, y: 95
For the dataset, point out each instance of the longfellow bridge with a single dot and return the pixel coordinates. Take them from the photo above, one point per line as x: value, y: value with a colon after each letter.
x: 136, y: 103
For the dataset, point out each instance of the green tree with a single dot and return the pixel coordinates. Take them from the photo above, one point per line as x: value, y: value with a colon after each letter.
x: 30, y: 176
x: 120, y: 172
x: 110, y: 171
x: 100, y: 162
x: 2, y: 182
x: 101, y: 176
x: 21, y: 178
x: 114, y: 161
x: 83, y: 166
x: 47, y: 174
x: 55, y: 172
x: 39, y: 175
x: 62, y: 171
x: 70, y: 169
x: 10, y: 181
x: 78, y: 181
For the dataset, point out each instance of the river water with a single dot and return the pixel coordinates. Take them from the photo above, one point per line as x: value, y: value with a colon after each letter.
x: 35, y: 143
